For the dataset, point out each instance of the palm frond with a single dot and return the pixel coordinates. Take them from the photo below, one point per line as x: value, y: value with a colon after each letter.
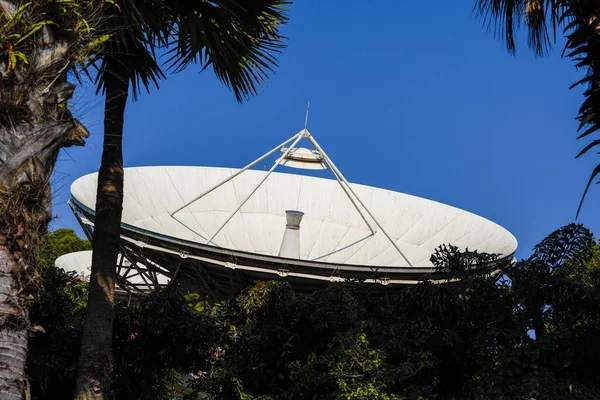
x: 137, y: 31
x: 583, y: 46
x: 505, y: 17
x: 239, y: 39
x: 138, y: 65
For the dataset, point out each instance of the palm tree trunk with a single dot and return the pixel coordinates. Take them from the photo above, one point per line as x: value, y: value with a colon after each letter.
x: 95, y: 360
x: 13, y: 330
x: 27, y: 157
x: 34, y: 124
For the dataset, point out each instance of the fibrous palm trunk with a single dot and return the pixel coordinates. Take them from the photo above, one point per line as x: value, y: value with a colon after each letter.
x: 34, y: 124
x: 95, y: 361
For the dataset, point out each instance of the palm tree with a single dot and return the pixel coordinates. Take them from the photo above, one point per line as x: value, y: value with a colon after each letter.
x: 39, y: 42
x: 579, y: 20
x: 237, y: 38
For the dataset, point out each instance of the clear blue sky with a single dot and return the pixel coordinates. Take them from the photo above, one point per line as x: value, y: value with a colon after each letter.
x: 413, y: 97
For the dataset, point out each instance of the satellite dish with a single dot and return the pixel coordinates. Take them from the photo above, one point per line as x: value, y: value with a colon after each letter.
x: 137, y: 280
x: 219, y: 229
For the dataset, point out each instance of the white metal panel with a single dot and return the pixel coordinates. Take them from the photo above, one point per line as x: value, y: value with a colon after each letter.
x: 329, y: 235
x: 309, y: 234
x: 264, y: 232
x: 283, y: 193
x: 186, y: 225
x: 352, y: 242
x: 244, y: 184
x: 235, y: 235
x: 370, y: 250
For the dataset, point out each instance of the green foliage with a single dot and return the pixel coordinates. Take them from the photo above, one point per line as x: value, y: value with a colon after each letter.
x: 59, y: 310
x: 40, y: 41
x: 11, y: 36
x: 21, y: 34
x: 159, y: 344
x: 466, y: 339
x: 57, y: 243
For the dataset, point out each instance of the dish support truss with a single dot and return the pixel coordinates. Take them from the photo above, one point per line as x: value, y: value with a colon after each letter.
x: 131, y: 263
x: 339, y: 177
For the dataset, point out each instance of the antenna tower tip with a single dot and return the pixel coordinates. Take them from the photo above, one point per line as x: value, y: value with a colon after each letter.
x: 306, y: 119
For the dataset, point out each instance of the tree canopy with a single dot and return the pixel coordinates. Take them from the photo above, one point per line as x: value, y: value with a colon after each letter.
x: 528, y: 332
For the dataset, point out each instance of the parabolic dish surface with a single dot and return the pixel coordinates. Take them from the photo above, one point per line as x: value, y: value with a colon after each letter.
x: 332, y: 231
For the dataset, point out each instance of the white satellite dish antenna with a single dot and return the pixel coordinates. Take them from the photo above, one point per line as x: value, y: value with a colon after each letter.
x: 217, y: 229
x: 131, y: 279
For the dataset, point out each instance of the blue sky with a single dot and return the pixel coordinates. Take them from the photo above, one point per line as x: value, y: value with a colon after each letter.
x: 412, y: 97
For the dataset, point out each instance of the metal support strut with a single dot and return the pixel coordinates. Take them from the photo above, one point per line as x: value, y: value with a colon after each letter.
x: 256, y: 188
x: 335, y: 171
